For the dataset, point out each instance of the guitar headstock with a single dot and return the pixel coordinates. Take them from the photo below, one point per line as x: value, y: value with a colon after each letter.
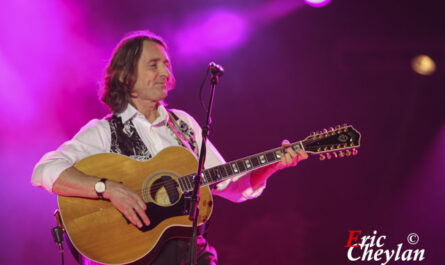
x: 336, y: 142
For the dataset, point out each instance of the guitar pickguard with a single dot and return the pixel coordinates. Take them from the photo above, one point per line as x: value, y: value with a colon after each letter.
x: 157, y: 213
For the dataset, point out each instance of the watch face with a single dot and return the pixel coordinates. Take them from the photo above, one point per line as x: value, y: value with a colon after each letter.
x: 99, y: 187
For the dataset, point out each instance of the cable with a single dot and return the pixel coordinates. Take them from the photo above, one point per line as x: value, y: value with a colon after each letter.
x: 200, y: 91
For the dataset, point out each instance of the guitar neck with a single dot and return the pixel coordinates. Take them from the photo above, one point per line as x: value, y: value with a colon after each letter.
x: 326, y: 143
x: 240, y: 166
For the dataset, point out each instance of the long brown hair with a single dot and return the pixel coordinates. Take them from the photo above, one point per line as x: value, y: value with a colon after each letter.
x: 121, y: 71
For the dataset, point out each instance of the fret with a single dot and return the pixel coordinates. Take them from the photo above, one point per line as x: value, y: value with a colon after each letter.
x: 213, y: 174
x: 270, y: 157
x: 184, y: 183
x: 218, y: 172
x: 255, y: 161
x: 298, y: 146
x: 228, y: 170
x: 241, y: 166
x: 188, y: 182
x: 235, y: 168
x: 207, y: 176
x: 262, y: 159
x: 222, y: 171
x: 203, y: 178
x: 248, y: 163
x: 180, y: 183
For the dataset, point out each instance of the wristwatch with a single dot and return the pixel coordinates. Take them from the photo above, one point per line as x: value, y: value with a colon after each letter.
x: 100, y: 188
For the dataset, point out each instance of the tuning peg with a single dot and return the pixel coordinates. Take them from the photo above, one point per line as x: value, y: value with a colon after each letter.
x: 322, y: 157
x: 335, y: 154
x: 324, y: 130
x: 337, y: 127
x: 348, y: 152
x: 312, y: 133
x: 344, y: 125
x: 341, y: 154
x: 328, y: 156
x: 331, y: 129
x: 354, y: 151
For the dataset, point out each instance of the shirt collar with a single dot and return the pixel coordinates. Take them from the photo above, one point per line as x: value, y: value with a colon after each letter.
x: 130, y: 112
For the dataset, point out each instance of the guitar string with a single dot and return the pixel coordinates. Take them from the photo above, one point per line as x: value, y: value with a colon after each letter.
x: 254, y: 156
x: 173, y: 184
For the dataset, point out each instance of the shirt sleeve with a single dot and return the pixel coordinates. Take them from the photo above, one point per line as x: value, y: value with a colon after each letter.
x: 237, y: 188
x: 93, y: 138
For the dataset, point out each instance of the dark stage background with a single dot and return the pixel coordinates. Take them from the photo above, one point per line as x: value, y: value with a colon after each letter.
x: 290, y: 69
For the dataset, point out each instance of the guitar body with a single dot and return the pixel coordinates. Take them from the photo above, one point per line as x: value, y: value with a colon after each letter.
x: 99, y: 232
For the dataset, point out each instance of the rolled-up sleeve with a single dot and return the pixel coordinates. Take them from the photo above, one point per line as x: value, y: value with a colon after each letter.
x: 93, y: 138
x: 238, y: 189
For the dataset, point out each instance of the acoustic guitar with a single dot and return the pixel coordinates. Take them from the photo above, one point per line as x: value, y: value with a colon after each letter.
x: 100, y: 233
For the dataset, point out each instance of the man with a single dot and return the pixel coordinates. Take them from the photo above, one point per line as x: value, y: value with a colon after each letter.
x: 137, y: 80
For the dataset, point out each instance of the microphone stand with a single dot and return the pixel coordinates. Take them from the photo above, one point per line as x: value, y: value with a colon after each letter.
x: 216, y: 72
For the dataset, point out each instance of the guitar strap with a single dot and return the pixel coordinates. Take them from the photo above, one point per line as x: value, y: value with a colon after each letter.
x: 187, y: 140
x: 180, y: 133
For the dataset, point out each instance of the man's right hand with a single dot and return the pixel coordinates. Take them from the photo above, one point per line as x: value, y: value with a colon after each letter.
x: 127, y: 202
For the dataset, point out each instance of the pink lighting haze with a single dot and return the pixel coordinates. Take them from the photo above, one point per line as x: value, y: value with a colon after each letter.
x: 317, y: 3
x: 222, y: 29
x: 292, y: 67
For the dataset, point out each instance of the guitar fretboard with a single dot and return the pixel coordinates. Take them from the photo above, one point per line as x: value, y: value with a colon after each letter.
x: 243, y: 165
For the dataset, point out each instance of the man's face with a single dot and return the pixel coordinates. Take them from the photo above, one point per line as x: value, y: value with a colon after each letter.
x: 154, y: 73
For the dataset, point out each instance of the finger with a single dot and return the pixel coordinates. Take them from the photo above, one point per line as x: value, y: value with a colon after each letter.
x: 285, y: 143
x: 282, y: 159
x: 288, y: 158
x: 291, y: 152
x: 140, y: 202
x: 302, y: 155
x: 131, y: 215
x: 142, y: 215
x: 139, y: 207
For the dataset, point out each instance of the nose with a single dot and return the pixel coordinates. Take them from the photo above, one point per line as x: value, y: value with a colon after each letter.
x: 165, y: 71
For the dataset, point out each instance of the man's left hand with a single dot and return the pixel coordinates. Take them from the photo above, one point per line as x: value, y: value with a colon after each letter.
x: 290, y: 158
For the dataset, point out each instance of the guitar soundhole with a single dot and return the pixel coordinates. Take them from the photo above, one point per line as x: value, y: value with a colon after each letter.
x: 164, y: 191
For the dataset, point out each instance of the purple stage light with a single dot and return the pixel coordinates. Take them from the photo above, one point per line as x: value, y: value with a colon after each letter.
x: 317, y: 3
x: 222, y: 29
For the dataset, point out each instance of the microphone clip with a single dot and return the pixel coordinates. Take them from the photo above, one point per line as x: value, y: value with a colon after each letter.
x: 216, y: 69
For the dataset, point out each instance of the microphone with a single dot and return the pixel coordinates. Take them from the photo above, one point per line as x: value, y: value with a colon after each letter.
x: 216, y: 69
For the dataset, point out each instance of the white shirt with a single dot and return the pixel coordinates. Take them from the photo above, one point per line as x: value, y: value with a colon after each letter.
x: 95, y: 137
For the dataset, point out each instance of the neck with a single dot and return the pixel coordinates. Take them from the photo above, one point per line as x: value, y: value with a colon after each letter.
x: 148, y: 108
